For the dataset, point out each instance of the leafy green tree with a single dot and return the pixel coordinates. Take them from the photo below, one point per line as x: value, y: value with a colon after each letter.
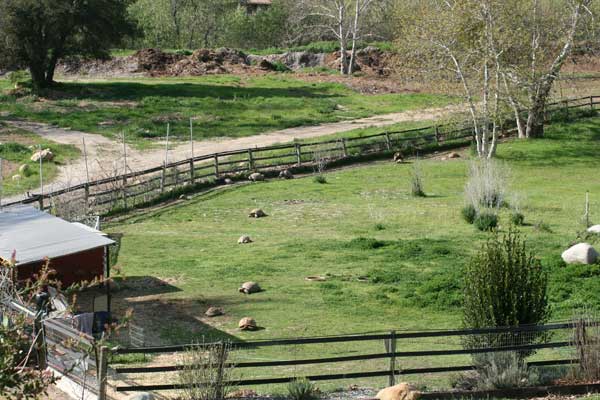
x: 505, y: 285
x: 37, y: 33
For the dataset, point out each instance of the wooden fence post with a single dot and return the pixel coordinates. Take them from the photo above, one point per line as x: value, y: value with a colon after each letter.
x: 390, y: 347
x: 437, y: 135
x: 298, y: 154
x: 102, y: 365
x: 592, y: 103
x: 344, y: 148
x: 388, y: 141
x: 162, y: 179
x: 216, y: 165
x: 41, y: 201
x: 86, y: 196
x: 124, y: 192
x: 567, y: 108
x: 192, y: 172
x: 250, y: 160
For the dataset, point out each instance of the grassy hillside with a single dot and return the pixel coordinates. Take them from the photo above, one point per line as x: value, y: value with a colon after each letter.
x: 220, y: 105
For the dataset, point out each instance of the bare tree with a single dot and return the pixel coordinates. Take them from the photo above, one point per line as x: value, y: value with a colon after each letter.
x: 344, y: 20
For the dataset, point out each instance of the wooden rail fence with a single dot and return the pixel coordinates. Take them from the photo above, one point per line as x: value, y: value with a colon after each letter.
x: 166, y: 181
x: 525, y: 339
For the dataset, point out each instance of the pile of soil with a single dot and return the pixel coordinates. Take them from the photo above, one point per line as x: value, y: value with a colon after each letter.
x: 155, y: 62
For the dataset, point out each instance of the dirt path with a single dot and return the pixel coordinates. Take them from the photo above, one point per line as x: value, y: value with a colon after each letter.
x: 105, y: 156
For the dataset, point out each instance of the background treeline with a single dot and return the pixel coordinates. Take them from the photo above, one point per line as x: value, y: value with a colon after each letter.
x: 191, y: 24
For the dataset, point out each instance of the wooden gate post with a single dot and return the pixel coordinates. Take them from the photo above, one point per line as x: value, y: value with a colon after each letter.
x: 390, y: 348
x: 216, y: 165
x: 102, y: 365
x: 298, y: 154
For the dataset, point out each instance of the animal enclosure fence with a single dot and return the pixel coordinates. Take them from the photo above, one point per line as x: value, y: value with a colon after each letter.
x: 139, y: 188
x: 60, y: 347
x: 427, y: 356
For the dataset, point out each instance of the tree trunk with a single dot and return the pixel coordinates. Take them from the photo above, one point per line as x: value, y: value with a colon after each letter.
x: 535, y: 123
x: 38, y: 76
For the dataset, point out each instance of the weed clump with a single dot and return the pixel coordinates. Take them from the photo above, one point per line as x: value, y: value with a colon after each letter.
x: 486, y: 221
x: 469, y: 213
x: 302, y: 389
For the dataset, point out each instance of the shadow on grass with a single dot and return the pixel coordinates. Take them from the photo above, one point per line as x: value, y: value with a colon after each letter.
x: 138, y: 91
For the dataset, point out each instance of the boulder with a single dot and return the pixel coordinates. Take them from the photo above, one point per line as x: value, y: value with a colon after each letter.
x: 16, y: 177
x: 45, y: 155
x: 453, y: 155
x: 228, y: 181
x: 244, y: 239
x: 256, y: 177
x: 402, y: 391
x: 594, y: 229
x: 214, y: 312
x: 247, y: 324
x: 286, y: 174
x: 142, y: 396
x: 582, y: 253
x: 257, y: 213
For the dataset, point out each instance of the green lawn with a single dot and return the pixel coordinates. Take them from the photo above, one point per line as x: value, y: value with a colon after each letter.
x: 414, y: 262
x: 220, y: 105
x: 362, y: 223
x: 16, y: 149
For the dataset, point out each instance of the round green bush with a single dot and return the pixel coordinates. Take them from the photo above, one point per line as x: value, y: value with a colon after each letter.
x: 486, y: 221
x: 469, y: 213
x: 517, y: 219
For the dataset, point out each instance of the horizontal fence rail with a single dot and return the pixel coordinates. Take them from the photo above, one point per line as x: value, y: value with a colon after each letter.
x: 534, y: 340
x: 139, y: 188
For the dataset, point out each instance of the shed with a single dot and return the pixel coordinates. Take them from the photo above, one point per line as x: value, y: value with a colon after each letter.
x: 77, y: 253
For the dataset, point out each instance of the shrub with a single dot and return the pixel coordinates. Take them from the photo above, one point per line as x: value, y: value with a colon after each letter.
x: 320, y: 179
x: 502, y: 370
x: 486, y: 221
x: 487, y: 184
x: 379, y: 227
x: 416, y: 180
x: 469, y: 213
x: 280, y: 67
x: 517, y: 218
x: 302, y: 389
x: 206, y: 372
x: 504, y: 285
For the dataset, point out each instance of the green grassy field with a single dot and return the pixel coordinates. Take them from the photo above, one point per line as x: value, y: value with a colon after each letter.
x: 362, y: 223
x: 16, y: 150
x: 220, y: 105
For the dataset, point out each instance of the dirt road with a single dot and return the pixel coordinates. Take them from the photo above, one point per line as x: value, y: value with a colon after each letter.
x: 105, y: 156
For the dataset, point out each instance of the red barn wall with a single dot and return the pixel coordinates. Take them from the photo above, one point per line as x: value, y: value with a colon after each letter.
x: 73, y: 268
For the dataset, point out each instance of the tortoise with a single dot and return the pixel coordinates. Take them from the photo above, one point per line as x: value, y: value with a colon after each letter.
x: 286, y: 174
x: 214, y: 312
x: 257, y: 213
x: 244, y: 239
x: 256, y: 176
x: 250, y: 287
x: 247, y: 324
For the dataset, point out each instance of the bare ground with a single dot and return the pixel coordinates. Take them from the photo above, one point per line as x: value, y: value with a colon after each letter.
x: 105, y: 156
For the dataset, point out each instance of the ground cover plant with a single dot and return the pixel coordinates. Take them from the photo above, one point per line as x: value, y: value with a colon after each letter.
x: 220, y: 106
x: 16, y: 149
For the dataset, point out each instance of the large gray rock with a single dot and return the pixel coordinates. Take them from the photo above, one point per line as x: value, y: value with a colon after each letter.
x: 45, y: 155
x: 594, y: 229
x: 582, y: 253
x: 256, y: 177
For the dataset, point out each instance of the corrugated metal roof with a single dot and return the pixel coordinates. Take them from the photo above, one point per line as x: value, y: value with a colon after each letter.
x: 35, y: 235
